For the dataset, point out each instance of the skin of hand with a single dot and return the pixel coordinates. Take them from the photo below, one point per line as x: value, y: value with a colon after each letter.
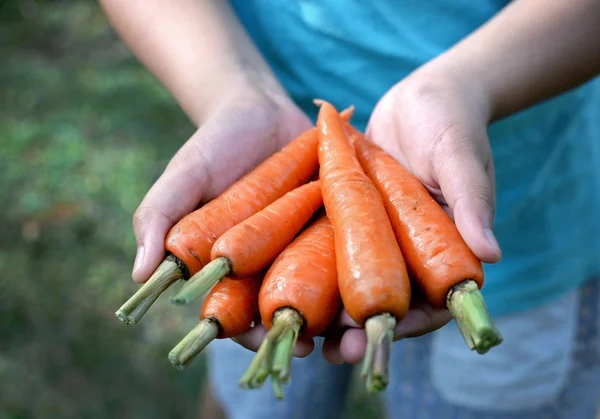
x: 246, y: 126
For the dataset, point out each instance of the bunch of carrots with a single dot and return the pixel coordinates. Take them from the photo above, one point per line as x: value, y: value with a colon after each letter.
x: 329, y: 221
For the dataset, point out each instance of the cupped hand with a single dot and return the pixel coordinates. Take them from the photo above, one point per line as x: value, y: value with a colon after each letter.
x: 246, y: 125
x: 435, y: 124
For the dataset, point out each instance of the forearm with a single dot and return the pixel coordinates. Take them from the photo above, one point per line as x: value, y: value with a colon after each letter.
x: 531, y: 51
x: 197, y: 49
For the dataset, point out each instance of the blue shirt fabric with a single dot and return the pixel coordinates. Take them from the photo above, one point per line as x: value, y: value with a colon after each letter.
x: 547, y: 158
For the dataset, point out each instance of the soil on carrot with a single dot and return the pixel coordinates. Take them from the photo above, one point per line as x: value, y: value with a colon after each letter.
x: 85, y: 131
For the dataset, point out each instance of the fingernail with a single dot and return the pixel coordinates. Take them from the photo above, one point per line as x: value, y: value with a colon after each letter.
x: 139, y: 259
x: 491, y: 238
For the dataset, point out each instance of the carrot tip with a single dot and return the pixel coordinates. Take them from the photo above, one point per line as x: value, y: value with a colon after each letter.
x: 474, y: 322
x: 167, y: 273
x: 318, y: 102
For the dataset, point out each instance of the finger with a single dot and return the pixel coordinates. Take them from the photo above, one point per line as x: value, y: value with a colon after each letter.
x: 331, y: 350
x: 343, y: 321
x: 168, y: 200
x: 206, y: 164
x: 352, y: 346
x: 333, y: 338
x: 253, y: 338
x: 420, y: 320
x: 464, y: 169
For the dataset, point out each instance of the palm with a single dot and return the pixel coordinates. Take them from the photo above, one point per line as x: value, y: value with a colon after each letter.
x: 237, y: 137
x: 413, y: 126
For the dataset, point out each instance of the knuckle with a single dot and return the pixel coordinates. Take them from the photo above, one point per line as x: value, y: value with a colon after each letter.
x: 142, y: 215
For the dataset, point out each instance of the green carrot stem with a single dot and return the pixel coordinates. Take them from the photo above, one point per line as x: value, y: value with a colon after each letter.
x: 167, y: 273
x: 474, y: 322
x: 203, y: 281
x: 193, y: 343
x: 262, y: 364
x: 283, y: 353
x: 277, y: 390
x: 380, y: 335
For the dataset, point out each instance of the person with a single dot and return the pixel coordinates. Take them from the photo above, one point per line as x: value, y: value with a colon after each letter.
x: 493, y: 105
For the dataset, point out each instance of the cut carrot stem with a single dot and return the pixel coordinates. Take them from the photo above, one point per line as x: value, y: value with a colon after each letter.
x: 203, y: 281
x: 193, y: 343
x: 380, y: 335
x: 262, y: 365
x: 228, y: 310
x: 284, y: 349
x: 167, y: 273
x: 474, y: 322
x: 257, y: 372
x: 276, y: 385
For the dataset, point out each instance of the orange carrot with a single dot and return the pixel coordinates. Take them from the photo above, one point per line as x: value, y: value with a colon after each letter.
x: 372, y: 275
x: 229, y: 309
x: 299, y: 295
x: 189, y: 242
x: 304, y: 278
x: 438, y: 258
x: 250, y: 246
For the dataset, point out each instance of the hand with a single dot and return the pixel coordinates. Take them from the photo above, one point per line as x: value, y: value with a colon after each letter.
x: 246, y: 125
x: 435, y: 124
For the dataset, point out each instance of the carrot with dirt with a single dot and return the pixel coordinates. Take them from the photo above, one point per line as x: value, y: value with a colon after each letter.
x: 372, y: 275
x: 229, y: 309
x: 299, y: 296
x: 190, y: 241
x: 250, y: 246
x: 438, y: 258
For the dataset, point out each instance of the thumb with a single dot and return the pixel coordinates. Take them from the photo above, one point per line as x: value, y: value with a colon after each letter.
x: 464, y: 169
x: 207, y: 163
x: 176, y: 193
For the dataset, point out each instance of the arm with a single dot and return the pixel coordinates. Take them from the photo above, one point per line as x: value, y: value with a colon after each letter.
x: 529, y: 52
x: 197, y: 49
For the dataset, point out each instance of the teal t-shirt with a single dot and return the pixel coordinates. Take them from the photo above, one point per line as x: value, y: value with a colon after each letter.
x: 547, y: 158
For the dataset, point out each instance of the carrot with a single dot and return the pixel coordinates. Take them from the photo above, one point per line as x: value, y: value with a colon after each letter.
x: 299, y: 295
x: 372, y: 274
x: 250, y: 246
x: 438, y: 258
x: 189, y: 241
x: 228, y: 310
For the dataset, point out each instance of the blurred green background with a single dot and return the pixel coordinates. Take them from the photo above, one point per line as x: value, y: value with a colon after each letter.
x: 84, y: 132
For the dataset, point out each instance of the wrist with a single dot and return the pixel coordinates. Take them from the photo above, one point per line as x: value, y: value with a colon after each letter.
x: 458, y: 74
x: 237, y: 86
